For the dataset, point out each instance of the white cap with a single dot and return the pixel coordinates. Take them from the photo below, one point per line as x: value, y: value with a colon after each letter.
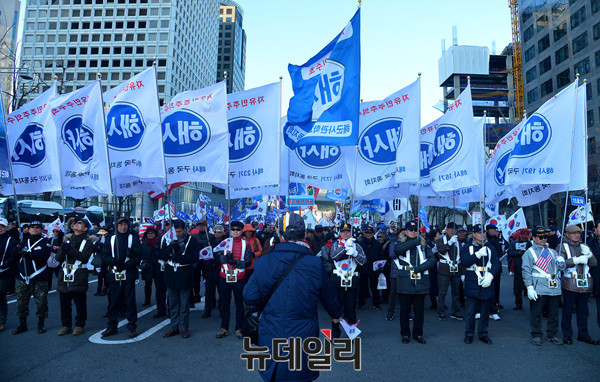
x: 3, y: 222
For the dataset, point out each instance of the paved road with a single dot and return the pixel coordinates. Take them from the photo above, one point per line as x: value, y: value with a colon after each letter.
x: 47, y: 357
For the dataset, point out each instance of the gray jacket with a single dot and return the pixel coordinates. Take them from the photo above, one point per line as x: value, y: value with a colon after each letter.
x: 570, y: 283
x: 531, y: 275
x: 337, y: 252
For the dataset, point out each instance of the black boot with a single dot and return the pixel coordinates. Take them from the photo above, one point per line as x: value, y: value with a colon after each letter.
x: 99, y: 287
x: 336, y: 332
x: 22, y: 328
x: 41, y: 326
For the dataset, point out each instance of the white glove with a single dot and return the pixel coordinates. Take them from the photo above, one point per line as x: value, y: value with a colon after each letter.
x: 487, y: 280
x: 482, y: 252
x: 585, y: 250
x: 453, y: 240
x: 531, y: 293
x: 462, y: 278
x: 350, y: 247
x: 580, y: 260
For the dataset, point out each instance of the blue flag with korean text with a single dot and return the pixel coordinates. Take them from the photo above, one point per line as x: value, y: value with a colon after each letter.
x: 324, y: 108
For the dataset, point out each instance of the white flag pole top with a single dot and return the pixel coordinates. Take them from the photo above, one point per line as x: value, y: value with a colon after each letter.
x: 133, y: 123
x: 33, y: 147
x: 194, y: 136
x: 254, y: 128
x: 79, y: 120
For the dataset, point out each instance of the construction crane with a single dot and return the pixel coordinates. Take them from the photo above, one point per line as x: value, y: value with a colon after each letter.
x: 517, y: 63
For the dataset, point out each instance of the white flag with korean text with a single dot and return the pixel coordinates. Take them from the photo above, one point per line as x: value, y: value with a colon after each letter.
x: 33, y: 147
x: 194, y: 136
x: 79, y: 119
x: 542, y: 153
x: 133, y: 126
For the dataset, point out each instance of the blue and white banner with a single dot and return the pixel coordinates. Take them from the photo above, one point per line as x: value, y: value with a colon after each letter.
x: 79, y: 119
x: 33, y: 147
x: 253, y: 118
x: 5, y: 172
x: 495, y: 169
x: 375, y: 205
x: 386, y: 160
x: 194, y: 136
x: 324, y: 108
x: 542, y: 152
x: 133, y: 125
x: 337, y: 195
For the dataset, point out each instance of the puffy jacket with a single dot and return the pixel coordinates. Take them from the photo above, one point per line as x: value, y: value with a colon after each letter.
x: 292, y: 309
x: 407, y: 253
x: 254, y: 243
x: 34, y: 254
x: 472, y: 287
x: 241, y: 263
x: 373, y: 251
x: 530, y: 273
x: 72, y: 251
x: 179, y: 257
x: 570, y: 283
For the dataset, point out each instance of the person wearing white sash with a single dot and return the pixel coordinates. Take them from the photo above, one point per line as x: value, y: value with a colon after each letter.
x: 8, y: 253
x: 577, y: 284
x: 122, y: 254
x: 449, y: 272
x: 594, y: 244
x: 481, y: 265
x: 541, y: 267
x: 342, y: 258
x: 33, y: 277
x: 73, y: 255
x: 413, y: 258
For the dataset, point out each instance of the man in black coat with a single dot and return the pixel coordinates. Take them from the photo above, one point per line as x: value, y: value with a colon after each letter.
x: 317, y: 241
x: 594, y: 245
x: 515, y: 251
x: 33, y: 277
x: 122, y: 255
x: 368, y: 277
x: 8, y: 249
x: 448, y: 254
x: 180, y: 256
x: 203, y: 239
x: 481, y: 264
x: 210, y: 272
x: 496, y: 242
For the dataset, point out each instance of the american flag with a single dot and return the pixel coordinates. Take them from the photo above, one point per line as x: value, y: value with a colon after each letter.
x: 543, y: 260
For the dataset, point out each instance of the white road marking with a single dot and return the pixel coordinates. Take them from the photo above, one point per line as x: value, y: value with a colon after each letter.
x: 97, y: 338
x: 52, y: 291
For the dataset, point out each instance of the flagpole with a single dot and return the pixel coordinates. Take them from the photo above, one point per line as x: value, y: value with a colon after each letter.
x: 419, y: 162
x: 585, y: 151
x: 228, y: 185
x: 112, y: 196
x: 571, y: 163
x: 279, y: 148
x: 482, y: 197
x: 12, y: 173
x: 353, y: 188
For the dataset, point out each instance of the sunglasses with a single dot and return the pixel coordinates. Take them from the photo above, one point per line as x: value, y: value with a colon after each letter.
x: 412, y: 230
x: 218, y: 231
x: 236, y: 229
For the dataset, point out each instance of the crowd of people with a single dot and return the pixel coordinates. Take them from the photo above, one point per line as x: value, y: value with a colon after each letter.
x: 550, y: 271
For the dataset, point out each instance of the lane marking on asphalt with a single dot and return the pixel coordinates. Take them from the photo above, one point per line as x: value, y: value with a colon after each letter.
x: 50, y: 292
x: 97, y: 337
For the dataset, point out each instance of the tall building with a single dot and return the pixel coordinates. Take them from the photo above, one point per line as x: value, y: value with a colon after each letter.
x: 232, y: 46
x: 561, y: 38
x: 491, y: 85
x: 9, y: 21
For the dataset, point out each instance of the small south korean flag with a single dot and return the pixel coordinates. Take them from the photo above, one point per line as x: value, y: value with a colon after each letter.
x: 379, y: 264
x: 206, y: 253
x: 225, y: 245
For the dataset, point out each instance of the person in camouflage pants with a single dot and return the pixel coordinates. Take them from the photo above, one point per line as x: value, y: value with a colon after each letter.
x: 39, y: 291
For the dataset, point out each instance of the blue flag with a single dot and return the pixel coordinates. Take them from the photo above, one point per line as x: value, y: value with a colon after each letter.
x: 238, y: 213
x: 337, y: 195
x: 5, y: 177
x: 326, y: 101
x: 423, y: 218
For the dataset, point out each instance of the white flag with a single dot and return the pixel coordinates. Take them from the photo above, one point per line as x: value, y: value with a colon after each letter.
x: 79, y: 119
x: 396, y: 207
x: 33, y: 147
x: 133, y: 126
x: 352, y: 331
x: 542, y: 153
x: 387, y: 146
x: 225, y: 245
x: 254, y: 133
x: 580, y: 215
x: 259, y: 207
x: 309, y: 219
x: 194, y: 136
x: 206, y: 253
x: 514, y: 223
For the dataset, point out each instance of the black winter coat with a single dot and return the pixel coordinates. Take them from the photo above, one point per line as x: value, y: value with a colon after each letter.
x: 34, y: 254
x: 8, y: 255
x: 125, y: 258
x: 150, y: 257
x: 594, y: 245
x: 69, y: 253
x: 183, y: 253
x: 517, y: 255
x: 403, y: 251
x: 472, y: 287
x: 374, y: 251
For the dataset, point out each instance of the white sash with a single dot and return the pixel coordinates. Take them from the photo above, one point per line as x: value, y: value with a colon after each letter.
x: 121, y: 276
x: 177, y: 265
x: 407, y: 259
x: 69, y: 276
x: 227, y: 268
x: 35, y: 270
x: 487, y: 265
x: 572, y: 272
x: 4, y: 255
x: 345, y: 275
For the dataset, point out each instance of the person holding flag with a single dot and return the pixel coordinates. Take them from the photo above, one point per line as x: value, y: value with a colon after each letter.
x: 342, y: 258
x: 413, y: 258
x: 577, y: 284
x: 234, y: 258
x: 541, y: 267
x: 368, y: 275
x: 210, y: 272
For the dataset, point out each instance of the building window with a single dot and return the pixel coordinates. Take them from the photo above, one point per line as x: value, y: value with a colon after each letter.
x: 531, y: 74
x: 544, y: 43
x: 560, y: 31
x: 558, y: 9
x: 542, y: 22
x: 578, y: 17
x: 596, y: 31
x: 561, y: 54
x: 595, y: 5
x: 528, y: 34
x: 546, y: 88
x: 532, y: 95
x: 529, y: 54
x: 563, y: 78
x: 582, y: 67
x: 598, y: 85
x: 526, y: 14
x: 592, y: 145
x: 580, y: 43
x: 589, y: 91
x: 545, y: 66
x: 590, y: 118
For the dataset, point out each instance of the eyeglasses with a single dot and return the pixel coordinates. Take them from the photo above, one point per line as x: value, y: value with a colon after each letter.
x: 236, y: 229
